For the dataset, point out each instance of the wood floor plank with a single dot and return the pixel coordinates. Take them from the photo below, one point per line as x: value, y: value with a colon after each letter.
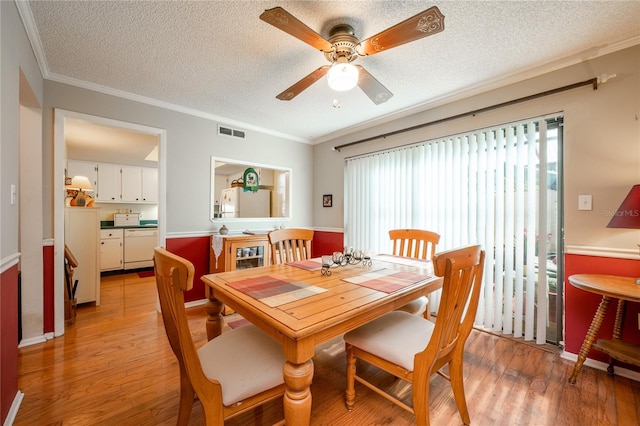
x: 114, y: 367
x: 626, y: 400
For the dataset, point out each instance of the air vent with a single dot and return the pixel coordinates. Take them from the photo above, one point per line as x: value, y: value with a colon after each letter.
x: 227, y: 131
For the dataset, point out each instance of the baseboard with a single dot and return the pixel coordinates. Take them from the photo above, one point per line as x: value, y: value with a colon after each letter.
x: 602, y: 366
x: 195, y: 303
x: 13, y: 410
x: 32, y: 341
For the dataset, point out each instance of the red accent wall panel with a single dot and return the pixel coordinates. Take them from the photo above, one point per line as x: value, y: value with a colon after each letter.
x: 325, y: 242
x: 580, y: 305
x: 48, y: 289
x: 8, y: 339
x: 196, y: 250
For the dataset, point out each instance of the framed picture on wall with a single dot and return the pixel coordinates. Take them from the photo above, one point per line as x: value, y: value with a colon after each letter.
x: 327, y: 200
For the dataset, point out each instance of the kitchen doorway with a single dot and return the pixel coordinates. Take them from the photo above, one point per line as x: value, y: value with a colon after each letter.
x: 83, y: 127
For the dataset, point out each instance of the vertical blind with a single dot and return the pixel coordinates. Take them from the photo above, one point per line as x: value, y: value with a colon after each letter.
x: 488, y: 187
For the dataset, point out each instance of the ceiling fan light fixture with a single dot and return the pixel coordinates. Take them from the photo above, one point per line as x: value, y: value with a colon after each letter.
x: 342, y: 76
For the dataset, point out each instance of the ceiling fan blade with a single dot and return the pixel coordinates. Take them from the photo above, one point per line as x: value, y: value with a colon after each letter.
x: 426, y: 23
x: 280, y: 18
x: 372, y: 87
x: 303, y: 84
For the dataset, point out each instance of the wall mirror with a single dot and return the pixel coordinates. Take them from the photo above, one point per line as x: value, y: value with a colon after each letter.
x: 267, y: 193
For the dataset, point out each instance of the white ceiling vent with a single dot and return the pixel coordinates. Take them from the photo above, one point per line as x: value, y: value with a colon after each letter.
x: 228, y: 131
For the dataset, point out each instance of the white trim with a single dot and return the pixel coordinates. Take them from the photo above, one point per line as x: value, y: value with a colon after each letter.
x: 194, y: 234
x: 13, y: 410
x: 48, y: 242
x: 32, y: 341
x: 195, y: 303
x: 482, y: 87
x: 613, y: 252
x: 486, y: 86
x: 34, y: 38
x: 58, y: 202
x: 602, y: 366
x: 190, y: 234
x: 9, y: 262
x: 321, y: 229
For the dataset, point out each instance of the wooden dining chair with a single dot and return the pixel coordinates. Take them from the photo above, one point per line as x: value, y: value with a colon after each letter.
x: 232, y: 373
x: 412, y: 348
x: 290, y: 245
x: 417, y: 244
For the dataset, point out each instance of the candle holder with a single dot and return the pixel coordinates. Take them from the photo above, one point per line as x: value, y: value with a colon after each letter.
x: 348, y: 257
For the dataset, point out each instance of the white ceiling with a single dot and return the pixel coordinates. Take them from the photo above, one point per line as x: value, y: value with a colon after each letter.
x: 217, y: 59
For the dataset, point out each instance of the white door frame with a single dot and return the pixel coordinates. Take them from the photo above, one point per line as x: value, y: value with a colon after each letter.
x: 59, y: 155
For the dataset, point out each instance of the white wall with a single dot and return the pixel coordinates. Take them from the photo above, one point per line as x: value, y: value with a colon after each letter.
x: 601, y: 143
x: 191, y: 141
x: 30, y: 200
x: 16, y: 56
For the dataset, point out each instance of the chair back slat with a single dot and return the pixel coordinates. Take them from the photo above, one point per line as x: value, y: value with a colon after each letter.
x: 174, y: 275
x: 414, y: 243
x: 290, y: 245
x: 462, y: 271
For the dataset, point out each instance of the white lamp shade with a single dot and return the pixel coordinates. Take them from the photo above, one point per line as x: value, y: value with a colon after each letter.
x: 342, y: 77
x: 81, y: 182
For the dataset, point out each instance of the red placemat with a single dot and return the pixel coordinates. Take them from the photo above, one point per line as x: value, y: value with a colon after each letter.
x: 310, y: 264
x: 273, y: 291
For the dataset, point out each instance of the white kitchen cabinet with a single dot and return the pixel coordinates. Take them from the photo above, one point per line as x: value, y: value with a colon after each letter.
x: 115, y: 183
x: 139, y: 184
x: 109, y: 181
x: 150, y: 185
x: 84, y: 168
x: 131, y: 184
x: 111, y: 249
x: 82, y: 236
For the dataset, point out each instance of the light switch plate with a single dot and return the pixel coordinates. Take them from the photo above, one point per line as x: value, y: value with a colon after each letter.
x: 584, y: 202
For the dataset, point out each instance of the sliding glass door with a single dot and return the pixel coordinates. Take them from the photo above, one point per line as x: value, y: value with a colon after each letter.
x: 498, y: 187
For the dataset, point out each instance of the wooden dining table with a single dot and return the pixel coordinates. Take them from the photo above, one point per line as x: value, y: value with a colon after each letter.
x: 300, y: 307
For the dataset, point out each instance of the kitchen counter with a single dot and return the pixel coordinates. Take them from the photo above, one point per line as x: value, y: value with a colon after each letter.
x: 108, y: 224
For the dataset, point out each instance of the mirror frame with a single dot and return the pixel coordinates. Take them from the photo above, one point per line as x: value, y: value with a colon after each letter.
x: 212, y: 195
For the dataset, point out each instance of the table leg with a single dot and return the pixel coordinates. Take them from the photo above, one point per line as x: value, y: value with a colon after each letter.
x: 617, y: 330
x: 297, y: 396
x: 590, y: 337
x: 214, y: 308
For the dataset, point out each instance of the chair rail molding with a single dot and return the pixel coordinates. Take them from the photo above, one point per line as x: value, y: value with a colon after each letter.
x: 9, y: 261
x: 613, y: 252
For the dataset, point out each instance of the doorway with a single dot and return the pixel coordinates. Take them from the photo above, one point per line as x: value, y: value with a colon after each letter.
x: 67, y: 122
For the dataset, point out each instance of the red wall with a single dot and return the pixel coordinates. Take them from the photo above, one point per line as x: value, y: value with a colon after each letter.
x: 48, y: 290
x: 8, y: 339
x: 196, y: 250
x: 326, y: 243
x: 580, y: 305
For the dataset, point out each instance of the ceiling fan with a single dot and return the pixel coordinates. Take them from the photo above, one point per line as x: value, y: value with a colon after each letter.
x: 343, y: 47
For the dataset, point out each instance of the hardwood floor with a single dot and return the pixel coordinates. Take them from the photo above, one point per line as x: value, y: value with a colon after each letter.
x: 114, y: 366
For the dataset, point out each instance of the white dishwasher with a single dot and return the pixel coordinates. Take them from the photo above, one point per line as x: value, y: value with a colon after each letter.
x: 138, y: 247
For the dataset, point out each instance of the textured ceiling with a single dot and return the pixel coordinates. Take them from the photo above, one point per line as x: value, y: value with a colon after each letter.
x: 217, y: 59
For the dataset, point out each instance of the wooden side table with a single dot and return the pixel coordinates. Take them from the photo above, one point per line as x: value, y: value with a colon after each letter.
x: 610, y: 287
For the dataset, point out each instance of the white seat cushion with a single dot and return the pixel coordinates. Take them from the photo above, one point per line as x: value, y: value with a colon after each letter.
x: 245, y: 361
x: 396, y: 337
x: 416, y: 307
